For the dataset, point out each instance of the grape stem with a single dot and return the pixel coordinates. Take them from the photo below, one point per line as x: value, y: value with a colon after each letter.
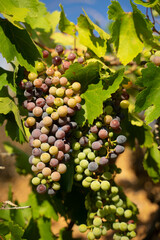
x: 43, y: 46
x: 70, y: 225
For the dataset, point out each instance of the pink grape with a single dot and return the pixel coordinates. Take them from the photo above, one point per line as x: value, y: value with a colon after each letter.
x: 40, y: 102
x: 103, y: 134
x: 36, y: 133
x: 66, y: 65
x: 54, y: 162
x: 45, y: 54
x: 50, y: 100
x: 60, y: 134
x: 43, y: 138
x: 44, y: 87
x: 56, y: 176
x: 51, y: 140
x: 59, y: 144
x: 40, y: 165
x: 37, y: 111
x: 41, y: 188
x: 30, y: 106
x: 60, y: 155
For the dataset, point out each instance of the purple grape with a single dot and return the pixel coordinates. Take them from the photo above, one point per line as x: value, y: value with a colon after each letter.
x: 54, y: 129
x: 56, y: 60
x: 96, y: 145
x: 51, y: 191
x: 60, y: 155
x: 38, y: 92
x: 121, y: 139
x: 30, y: 159
x: 119, y: 149
x: 71, y: 56
x: 59, y: 144
x: 94, y: 129
x: 36, y: 133
x: 45, y: 54
x: 66, y: 157
x: 62, y: 121
x: 80, y: 60
x: 51, y: 140
x: 54, y: 162
x: 43, y: 138
x: 28, y: 94
x: 83, y: 141
x: 59, y: 49
x: 100, y: 141
x: 66, y: 128
x: 66, y: 148
x: 92, y: 166
x: 70, y: 111
x: 103, y: 161
x: 73, y: 125
x: 44, y: 114
x: 40, y: 102
x: 41, y: 123
x: 48, y: 81
x: 44, y: 87
x: 41, y: 188
x: 113, y: 155
x: 28, y: 85
x: 36, y: 152
x: 60, y: 134
x: 78, y: 107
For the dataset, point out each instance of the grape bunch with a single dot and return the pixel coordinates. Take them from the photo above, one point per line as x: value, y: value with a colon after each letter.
x: 51, y: 102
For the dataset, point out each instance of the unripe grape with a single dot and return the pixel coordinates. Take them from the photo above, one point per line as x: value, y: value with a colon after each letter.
x: 76, y: 86
x: 107, y: 119
x: 95, y: 185
x: 45, y: 157
x: 97, y: 222
x: 61, y: 168
x: 52, y: 91
x: 31, y: 121
x: 78, y: 99
x: 105, y: 185
x: 45, y: 54
x: 37, y: 111
x: 49, y: 110
x: 56, y: 186
x: 35, y: 181
x: 46, y: 171
x: 45, y: 147
x: 45, y: 130
x: 58, y: 102
x: 60, y: 92
x: 50, y: 71
x: 63, y: 81
x: 124, y: 104
x: 54, y: 53
x: 53, y: 150
x: 69, y: 92
x: 56, y: 176
x: 55, y: 80
x: 82, y: 228
x: 32, y: 76
x: 36, y: 143
x: 62, y: 111
x: 39, y: 66
x: 47, y: 121
x: 72, y: 102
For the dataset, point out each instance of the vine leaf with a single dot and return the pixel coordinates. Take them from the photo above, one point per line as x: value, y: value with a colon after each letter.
x: 7, y: 79
x: 65, y: 25
x: 16, y: 231
x: 151, y: 3
x: 148, y: 98
x: 151, y: 163
x: 85, y: 29
x: 16, y: 43
x: 129, y: 30
x: 44, y: 225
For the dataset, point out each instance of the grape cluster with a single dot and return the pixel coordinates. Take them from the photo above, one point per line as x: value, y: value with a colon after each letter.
x: 51, y: 102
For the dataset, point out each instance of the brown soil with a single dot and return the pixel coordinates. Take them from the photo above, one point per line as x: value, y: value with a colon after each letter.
x: 137, y: 186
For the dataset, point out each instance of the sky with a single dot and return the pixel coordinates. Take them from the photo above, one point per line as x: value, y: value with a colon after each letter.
x: 96, y: 9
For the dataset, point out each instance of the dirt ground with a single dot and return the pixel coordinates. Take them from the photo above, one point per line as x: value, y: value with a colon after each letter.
x: 137, y: 186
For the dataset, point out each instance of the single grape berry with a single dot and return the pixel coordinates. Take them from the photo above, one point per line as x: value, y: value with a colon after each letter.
x: 59, y: 49
x: 45, y: 54
x: 56, y: 60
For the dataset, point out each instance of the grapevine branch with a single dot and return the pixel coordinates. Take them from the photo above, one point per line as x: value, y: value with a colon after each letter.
x: 43, y: 46
x: 12, y: 206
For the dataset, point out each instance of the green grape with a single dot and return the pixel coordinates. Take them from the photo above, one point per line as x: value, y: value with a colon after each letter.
x: 116, y: 225
x: 132, y: 234
x: 45, y: 157
x: 111, y: 134
x: 123, y: 226
x: 97, y: 232
x: 40, y: 175
x: 49, y: 110
x: 112, y: 208
x: 82, y: 228
x: 87, y: 150
x: 78, y: 177
x: 92, y: 137
x: 107, y: 175
x: 76, y: 161
x: 124, y: 238
x: 36, y: 181
x: 119, y: 203
x: 115, y: 198
x: 114, y: 189
x: 84, y: 163
x: 131, y: 227
x: 35, y: 160
x: 99, y: 124
x: 78, y: 134
x: 76, y: 146
x: 87, y: 172
x: 128, y: 213
x: 117, y: 236
x: 90, y: 236
x: 91, y: 156
x: 97, y: 160
x: 79, y: 169
x: 124, y: 104
x: 157, y: 53
x: 85, y: 184
x: 120, y: 211
x: 97, y: 222
x: 81, y: 155
x: 100, y: 213
x: 105, y: 185
x: 108, y: 109
x: 95, y: 185
x: 107, y: 210
x: 99, y: 203
x: 56, y: 186
x: 45, y: 147
x: 88, y: 179
x: 43, y: 181
x: 91, y: 215
x: 104, y: 231
x: 39, y: 66
x: 32, y: 76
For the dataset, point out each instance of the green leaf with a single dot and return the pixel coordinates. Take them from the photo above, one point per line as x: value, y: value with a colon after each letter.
x: 41, y: 208
x: 6, y: 79
x: 22, y: 163
x: 16, y: 231
x: 6, y: 106
x: 97, y: 44
x: 32, y: 231
x: 4, y: 228
x: 84, y: 75
x: 151, y: 163
x: 53, y: 18
x: 17, y: 43
x: 149, y: 97
x: 67, y: 178
x: 65, y: 25
x: 115, y: 10
x: 149, y: 4
x: 44, y: 225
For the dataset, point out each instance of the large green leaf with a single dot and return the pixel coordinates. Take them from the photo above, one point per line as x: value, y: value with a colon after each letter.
x: 65, y: 25
x: 16, y: 43
x: 151, y: 163
x: 7, y: 105
x: 148, y: 98
x: 44, y: 225
x: 16, y: 231
x: 97, y: 44
x: 149, y: 4
x: 22, y: 163
x: 7, y: 79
